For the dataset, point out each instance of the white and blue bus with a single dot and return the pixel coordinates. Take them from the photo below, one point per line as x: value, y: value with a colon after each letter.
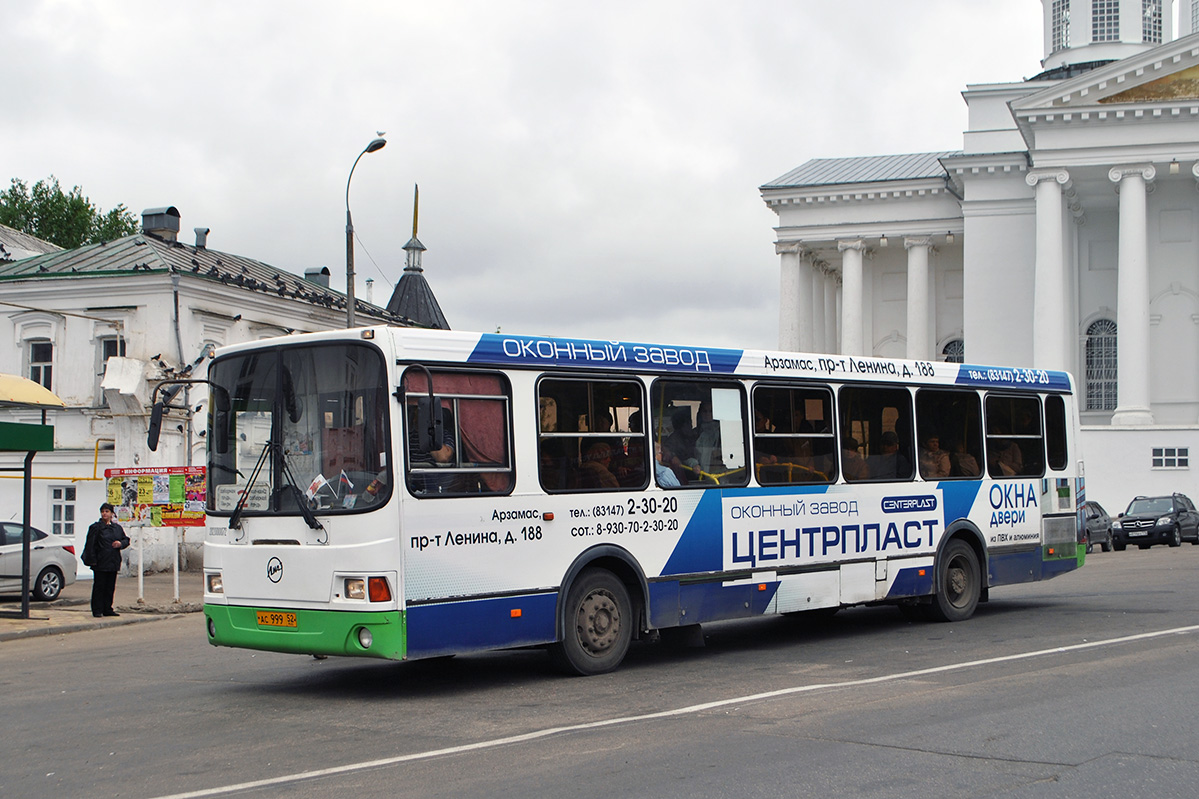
x: 400, y: 493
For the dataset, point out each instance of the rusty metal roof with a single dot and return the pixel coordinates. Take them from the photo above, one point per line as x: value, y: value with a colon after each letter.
x: 863, y: 169
x: 147, y: 253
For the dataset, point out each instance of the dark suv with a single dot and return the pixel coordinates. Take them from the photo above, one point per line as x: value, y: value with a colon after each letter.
x: 1156, y: 520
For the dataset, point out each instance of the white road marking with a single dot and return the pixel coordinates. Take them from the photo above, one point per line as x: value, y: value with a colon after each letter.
x: 350, y: 768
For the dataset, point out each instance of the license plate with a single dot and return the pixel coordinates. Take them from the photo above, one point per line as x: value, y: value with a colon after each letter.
x: 275, y: 618
x: 1136, y: 533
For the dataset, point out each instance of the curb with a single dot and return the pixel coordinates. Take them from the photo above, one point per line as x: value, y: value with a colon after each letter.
x: 133, y: 618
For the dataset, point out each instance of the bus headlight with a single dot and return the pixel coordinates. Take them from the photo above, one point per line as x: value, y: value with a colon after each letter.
x: 365, y: 639
x: 215, y: 584
x: 355, y: 588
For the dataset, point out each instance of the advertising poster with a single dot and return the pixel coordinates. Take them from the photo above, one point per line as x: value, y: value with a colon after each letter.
x: 167, y: 496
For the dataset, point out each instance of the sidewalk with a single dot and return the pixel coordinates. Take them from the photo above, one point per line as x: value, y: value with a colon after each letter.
x: 72, y: 612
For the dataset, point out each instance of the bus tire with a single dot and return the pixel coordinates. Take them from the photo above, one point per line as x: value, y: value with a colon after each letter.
x: 959, y: 583
x: 597, y: 624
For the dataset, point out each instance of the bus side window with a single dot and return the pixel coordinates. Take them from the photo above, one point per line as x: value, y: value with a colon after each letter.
x: 1055, y: 432
x: 471, y: 453
x: 876, y: 433
x: 1015, y: 446
x: 793, y: 436
x: 699, y: 427
x: 949, y: 433
x: 591, y: 435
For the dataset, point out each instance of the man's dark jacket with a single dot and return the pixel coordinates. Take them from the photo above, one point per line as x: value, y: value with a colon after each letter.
x: 100, y: 536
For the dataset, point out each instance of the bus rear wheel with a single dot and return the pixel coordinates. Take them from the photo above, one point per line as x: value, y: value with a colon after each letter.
x: 959, y: 583
x: 597, y: 624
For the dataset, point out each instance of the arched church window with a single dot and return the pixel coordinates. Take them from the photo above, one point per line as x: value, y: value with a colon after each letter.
x: 1101, y: 365
x: 954, y: 351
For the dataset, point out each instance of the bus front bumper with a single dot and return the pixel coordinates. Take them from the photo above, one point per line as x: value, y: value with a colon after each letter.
x: 378, y: 634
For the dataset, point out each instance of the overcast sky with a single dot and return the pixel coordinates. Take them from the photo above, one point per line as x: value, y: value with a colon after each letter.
x: 583, y: 171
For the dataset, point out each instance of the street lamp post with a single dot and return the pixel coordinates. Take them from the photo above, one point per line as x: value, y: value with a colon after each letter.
x: 376, y: 144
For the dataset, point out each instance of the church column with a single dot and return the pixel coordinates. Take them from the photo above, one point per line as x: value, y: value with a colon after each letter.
x: 918, y: 296
x: 851, y: 296
x: 790, y: 280
x: 1049, y: 282
x: 816, y: 284
x: 1132, y: 292
x: 830, y: 311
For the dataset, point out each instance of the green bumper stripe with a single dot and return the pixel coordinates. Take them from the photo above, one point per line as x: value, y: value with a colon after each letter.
x: 317, y: 632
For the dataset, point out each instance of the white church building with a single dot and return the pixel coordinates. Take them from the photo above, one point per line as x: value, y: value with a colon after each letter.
x: 1063, y: 235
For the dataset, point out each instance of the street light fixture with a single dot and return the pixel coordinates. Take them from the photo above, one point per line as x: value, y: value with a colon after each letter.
x: 375, y: 145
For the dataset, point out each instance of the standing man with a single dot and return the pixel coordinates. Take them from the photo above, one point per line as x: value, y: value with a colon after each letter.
x: 102, y: 551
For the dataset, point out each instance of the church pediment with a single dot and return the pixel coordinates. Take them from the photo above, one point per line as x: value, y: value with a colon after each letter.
x: 1183, y: 85
x: 1169, y: 73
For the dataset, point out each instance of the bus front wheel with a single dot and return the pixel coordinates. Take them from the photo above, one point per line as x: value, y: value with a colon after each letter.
x: 959, y: 583
x: 598, y: 619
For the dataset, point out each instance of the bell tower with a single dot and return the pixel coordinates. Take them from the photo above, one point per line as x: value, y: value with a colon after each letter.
x: 1087, y: 33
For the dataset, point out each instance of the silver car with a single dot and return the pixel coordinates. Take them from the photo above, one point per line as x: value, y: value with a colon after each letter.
x: 51, y: 562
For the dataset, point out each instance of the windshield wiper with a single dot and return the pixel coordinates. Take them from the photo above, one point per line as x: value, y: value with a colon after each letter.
x: 301, y: 499
x: 235, y: 519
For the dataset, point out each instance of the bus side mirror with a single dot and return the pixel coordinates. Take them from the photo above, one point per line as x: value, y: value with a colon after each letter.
x: 155, y: 427
x: 430, y: 427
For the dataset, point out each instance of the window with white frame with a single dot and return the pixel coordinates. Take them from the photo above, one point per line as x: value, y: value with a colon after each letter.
x: 1194, y: 16
x: 1151, y: 21
x: 1171, y: 457
x: 1101, y: 365
x: 62, y: 510
x: 108, y: 347
x: 1105, y: 20
x: 954, y: 351
x: 41, y: 362
x: 1061, y: 25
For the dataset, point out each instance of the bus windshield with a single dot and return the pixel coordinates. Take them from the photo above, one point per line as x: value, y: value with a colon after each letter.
x: 312, y: 420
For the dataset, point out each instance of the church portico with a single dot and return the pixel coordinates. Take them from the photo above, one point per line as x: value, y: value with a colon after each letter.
x: 1064, y: 235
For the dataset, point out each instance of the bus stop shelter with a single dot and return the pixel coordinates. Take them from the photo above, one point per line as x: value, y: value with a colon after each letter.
x: 19, y: 392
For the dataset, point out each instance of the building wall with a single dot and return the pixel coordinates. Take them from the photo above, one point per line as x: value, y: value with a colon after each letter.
x: 76, y: 313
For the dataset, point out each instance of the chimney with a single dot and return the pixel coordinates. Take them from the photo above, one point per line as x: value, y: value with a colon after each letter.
x: 161, y: 222
x: 201, y: 237
x: 318, y: 276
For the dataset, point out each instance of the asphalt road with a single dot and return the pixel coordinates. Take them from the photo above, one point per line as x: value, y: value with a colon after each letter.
x: 1081, y: 686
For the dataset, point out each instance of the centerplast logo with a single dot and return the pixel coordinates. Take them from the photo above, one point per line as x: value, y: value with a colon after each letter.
x: 926, y: 503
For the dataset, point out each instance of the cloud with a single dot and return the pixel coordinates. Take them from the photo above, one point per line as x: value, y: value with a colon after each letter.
x: 584, y: 170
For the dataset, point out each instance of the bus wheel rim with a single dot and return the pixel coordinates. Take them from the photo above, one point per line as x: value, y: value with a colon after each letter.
x: 599, y: 622
x: 956, y: 582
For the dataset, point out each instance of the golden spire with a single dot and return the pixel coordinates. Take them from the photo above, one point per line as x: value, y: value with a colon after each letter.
x: 415, y: 207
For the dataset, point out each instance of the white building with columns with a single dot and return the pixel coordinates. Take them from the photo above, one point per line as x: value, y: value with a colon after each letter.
x: 1063, y: 235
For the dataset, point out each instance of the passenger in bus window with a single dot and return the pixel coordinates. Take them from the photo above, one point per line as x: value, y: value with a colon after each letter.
x: 594, y: 472
x: 853, y: 465
x: 961, y: 462
x: 630, y: 469
x: 764, y: 448
x: 421, y: 458
x: 889, y: 464
x: 681, y: 440
x: 707, y: 441
x: 666, y: 476
x: 1011, y: 459
x: 934, y: 461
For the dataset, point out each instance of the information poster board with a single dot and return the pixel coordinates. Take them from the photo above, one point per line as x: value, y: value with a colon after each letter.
x: 165, y: 496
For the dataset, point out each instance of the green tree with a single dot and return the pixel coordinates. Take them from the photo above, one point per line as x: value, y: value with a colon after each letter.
x: 69, y: 219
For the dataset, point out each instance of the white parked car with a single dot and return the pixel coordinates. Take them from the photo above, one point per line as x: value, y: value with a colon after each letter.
x: 51, y: 562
